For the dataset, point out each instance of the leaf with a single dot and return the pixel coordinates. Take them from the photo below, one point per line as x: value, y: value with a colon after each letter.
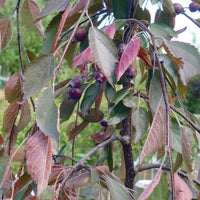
x: 119, y: 95
x: 5, y: 33
x: 143, y: 54
x: 110, y: 31
x: 156, y: 137
x: 1, y: 140
x: 89, y: 97
x: 50, y: 34
x: 130, y: 101
x: 147, y: 192
x: 160, y: 191
x: 53, y: 6
x: 37, y: 74
x: 155, y: 92
x: 47, y: 115
x: 10, y: 116
x: 163, y: 31
x: 175, y: 136
x: 168, y: 7
x: 77, y: 130
x: 25, y: 116
x: 140, y: 121
x: 79, y: 6
x: 119, y: 113
x: 189, y: 56
x: 186, y: 149
x: 171, y: 70
x: 78, y: 181
x: 13, y: 88
x: 128, y: 57
x: 182, y: 189
x: 29, y: 12
x: 71, y: 52
x: 117, y: 190
x: 48, y: 193
x: 12, y: 138
x: 39, y: 159
x: 100, y: 42
x: 4, y: 161
x: 92, y: 116
x: 66, y: 109
x: 2, y: 3
x: 120, y: 9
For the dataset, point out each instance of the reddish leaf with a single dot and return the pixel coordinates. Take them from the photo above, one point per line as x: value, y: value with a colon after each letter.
x: 25, y: 116
x: 79, y: 6
x: 1, y: 140
x: 5, y: 33
x: 86, y: 56
x: 39, y: 159
x: 60, y: 28
x: 147, y: 192
x: 182, y: 189
x: 2, y: 3
x: 145, y: 57
x: 110, y: 31
x: 156, y: 137
x: 13, y: 87
x: 83, y: 58
x: 129, y: 55
x: 29, y: 12
x: 78, y: 181
x: 186, y: 149
x: 181, y: 30
x: 10, y: 115
x: 12, y: 139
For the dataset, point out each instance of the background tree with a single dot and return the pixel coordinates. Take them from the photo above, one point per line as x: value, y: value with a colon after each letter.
x: 120, y: 59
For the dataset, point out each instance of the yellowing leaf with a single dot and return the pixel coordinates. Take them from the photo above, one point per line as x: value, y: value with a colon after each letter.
x: 157, y: 135
x: 5, y: 33
x: 104, y: 52
x: 39, y: 159
x: 29, y: 12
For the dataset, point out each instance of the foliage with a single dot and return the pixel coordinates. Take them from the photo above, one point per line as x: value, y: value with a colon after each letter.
x: 144, y: 115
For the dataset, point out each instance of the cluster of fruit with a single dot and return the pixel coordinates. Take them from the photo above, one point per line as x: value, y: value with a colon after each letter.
x: 76, y: 83
x: 193, y: 7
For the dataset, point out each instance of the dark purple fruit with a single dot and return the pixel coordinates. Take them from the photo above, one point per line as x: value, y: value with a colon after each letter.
x: 100, y: 77
x: 131, y: 72
x: 194, y: 7
x: 80, y: 35
x: 76, y: 82
x: 178, y: 8
x: 75, y: 94
x: 120, y: 49
x: 104, y: 123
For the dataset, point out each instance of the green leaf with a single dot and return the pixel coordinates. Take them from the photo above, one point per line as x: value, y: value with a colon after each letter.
x: 119, y: 113
x: 53, y: 6
x: 140, y: 121
x: 163, y: 31
x: 50, y: 34
x: 5, y: 33
x: 175, y: 136
x: 171, y: 70
x: 117, y: 189
x: 190, y: 57
x: 100, y: 42
x: 48, y: 193
x: 109, y: 92
x: 37, y: 74
x: 89, y: 97
x: 155, y: 92
x: 120, y: 9
x: 47, y: 115
x: 66, y: 108
x: 110, y: 156
x: 168, y: 7
x: 130, y: 101
x: 161, y: 191
x: 119, y: 95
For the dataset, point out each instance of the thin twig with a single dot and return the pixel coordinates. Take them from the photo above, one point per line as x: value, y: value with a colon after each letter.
x: 186, y: 118
x: 191, y: 19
